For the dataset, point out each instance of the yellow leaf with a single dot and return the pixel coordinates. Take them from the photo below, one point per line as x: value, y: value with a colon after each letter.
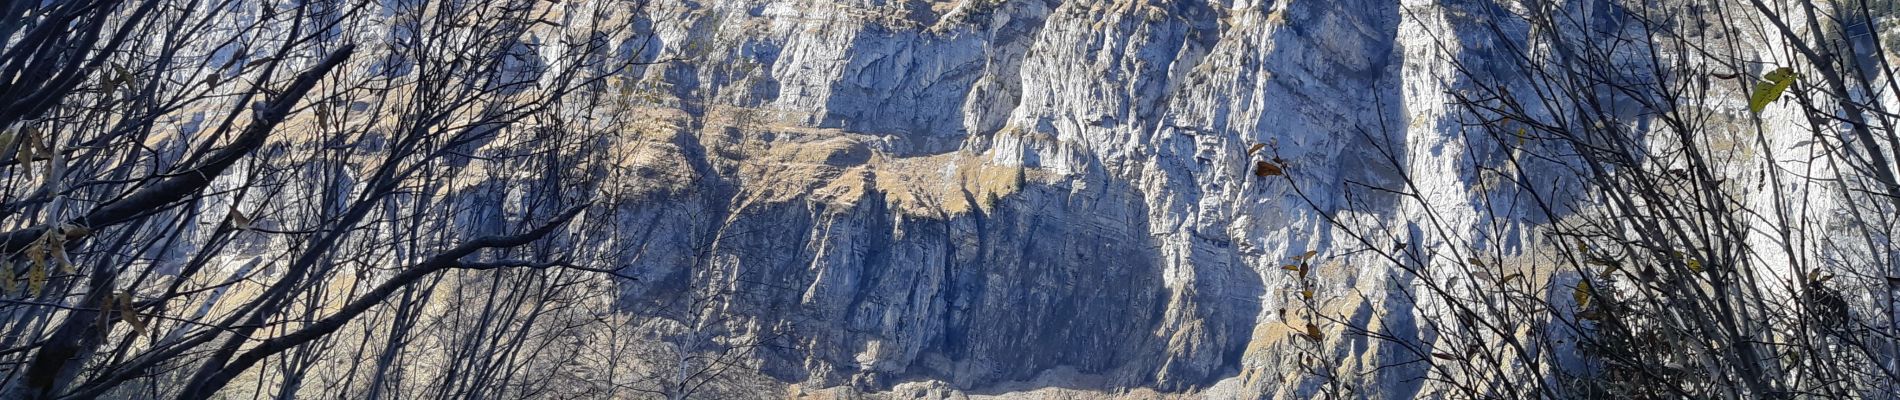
x: 1612, y: 268
x: 35, y: 279
x: 1770, y: 88
x: 36, y: 252
x: 239, y: 220
x: 1816, y: 276
x: 54, y: 235
x: 65, y: 263
x: 1292, y: 267
x: 1304, y: 256
x: 1610, y: 265
x: 8, y: 280
x: 1307, y: 293
x: 40, y: 148
x: 1694, y: 265
x: 1582, y: 294
x: 130, y: 314
x: 106, y: 305
x: 25, y: 153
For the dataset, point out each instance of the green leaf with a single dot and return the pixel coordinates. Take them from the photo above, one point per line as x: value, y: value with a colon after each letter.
x: 1770, y: 88
x: 122, y: 75
x: 1582, y: 294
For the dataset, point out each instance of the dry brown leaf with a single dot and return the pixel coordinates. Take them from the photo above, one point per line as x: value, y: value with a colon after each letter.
x: 1267, y: 169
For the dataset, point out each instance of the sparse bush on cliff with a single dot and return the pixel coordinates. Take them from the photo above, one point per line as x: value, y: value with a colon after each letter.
x: 218, y: 198
x: 1682, y: 199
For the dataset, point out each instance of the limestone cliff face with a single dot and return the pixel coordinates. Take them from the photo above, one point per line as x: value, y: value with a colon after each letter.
x: 981, y: 192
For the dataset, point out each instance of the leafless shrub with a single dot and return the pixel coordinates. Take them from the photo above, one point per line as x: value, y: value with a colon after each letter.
x: 1634, y: 229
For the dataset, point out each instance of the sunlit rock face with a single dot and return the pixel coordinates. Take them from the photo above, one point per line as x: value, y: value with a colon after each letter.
x: 1035, y: 197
